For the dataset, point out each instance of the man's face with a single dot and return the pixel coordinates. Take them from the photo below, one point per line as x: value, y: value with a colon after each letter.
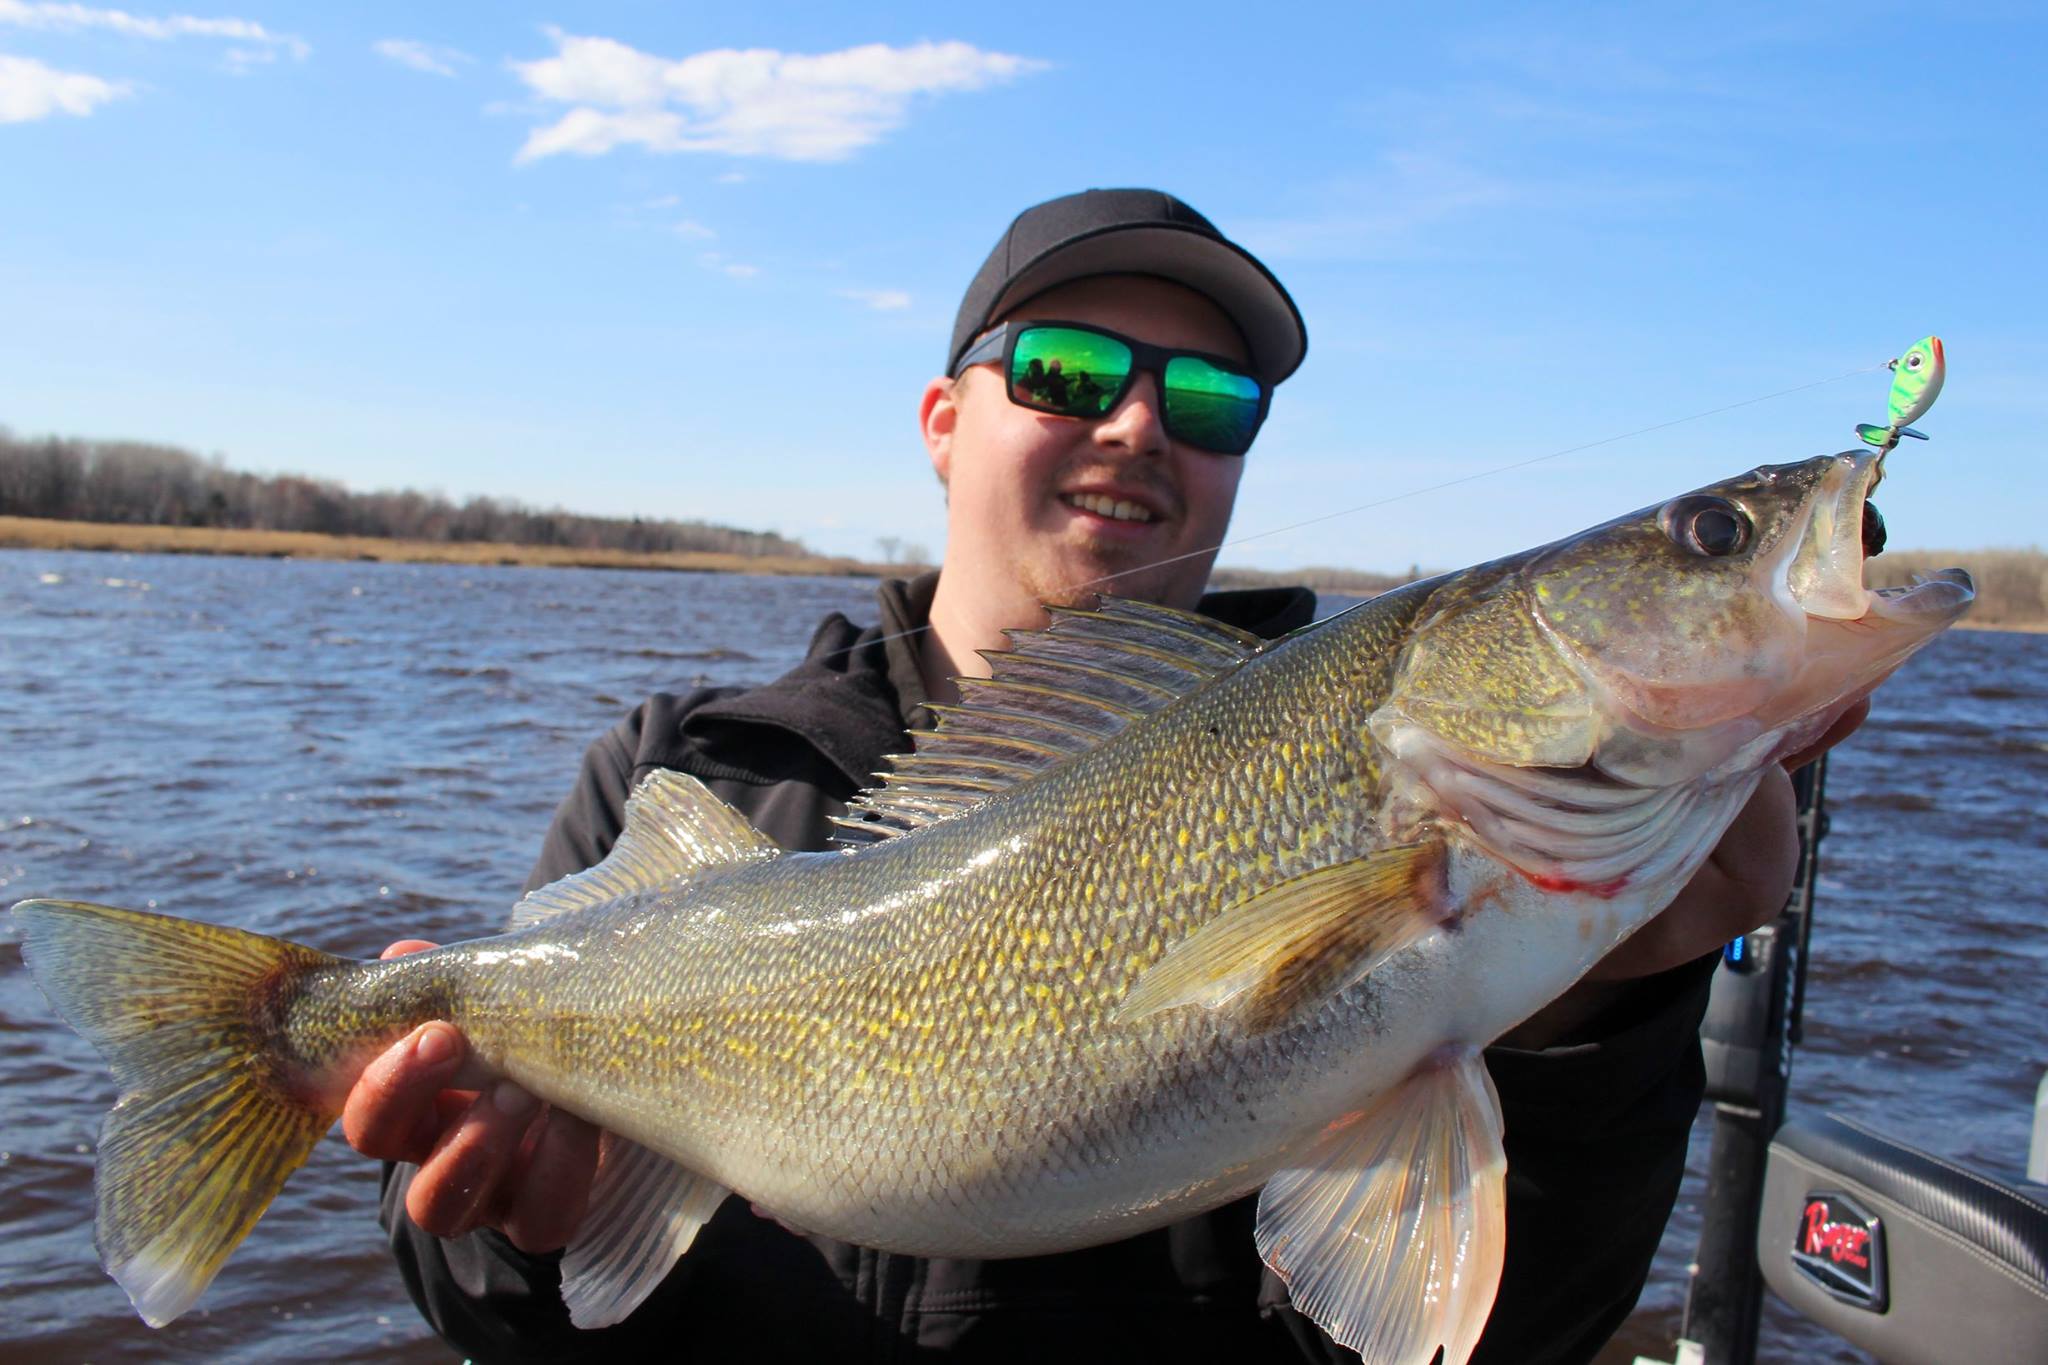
x: 1059, y: 503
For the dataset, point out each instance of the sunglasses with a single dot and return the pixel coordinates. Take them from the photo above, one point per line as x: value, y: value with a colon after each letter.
x: 1075, y: 370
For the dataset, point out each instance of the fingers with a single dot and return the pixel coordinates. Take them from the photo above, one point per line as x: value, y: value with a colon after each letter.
x: 397, y: 1109
x: 489, y: 1158
x: 552, y: 1191
x: 1757, y: 856
x: 1743, y: 884
x: 472, y: 1170
x: 392, y: 1111
x: 1845, y: 725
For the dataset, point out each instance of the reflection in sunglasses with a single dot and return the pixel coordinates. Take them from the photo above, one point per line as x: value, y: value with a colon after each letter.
x: 1050, y: 385
x: 1208, y: 401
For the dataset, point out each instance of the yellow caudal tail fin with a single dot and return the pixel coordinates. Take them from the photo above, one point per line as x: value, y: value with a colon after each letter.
x: 207, y: 1127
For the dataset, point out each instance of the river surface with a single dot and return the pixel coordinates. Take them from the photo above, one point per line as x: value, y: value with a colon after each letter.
x: 345, y: 754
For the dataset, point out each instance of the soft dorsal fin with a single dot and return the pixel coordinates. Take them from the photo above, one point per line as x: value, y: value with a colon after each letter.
x: 674, y: 827
x: 1054, y: 693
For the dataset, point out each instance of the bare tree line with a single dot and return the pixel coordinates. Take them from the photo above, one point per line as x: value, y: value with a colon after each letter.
x: 136, y: 482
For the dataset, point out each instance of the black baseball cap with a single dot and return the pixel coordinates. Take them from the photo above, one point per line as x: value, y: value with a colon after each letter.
x: 1133, y: 232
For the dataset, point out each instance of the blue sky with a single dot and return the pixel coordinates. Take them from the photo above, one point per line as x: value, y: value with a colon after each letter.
x: 698, y: 260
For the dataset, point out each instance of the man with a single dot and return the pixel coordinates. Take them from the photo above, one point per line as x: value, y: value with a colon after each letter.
x: 1109, y: 491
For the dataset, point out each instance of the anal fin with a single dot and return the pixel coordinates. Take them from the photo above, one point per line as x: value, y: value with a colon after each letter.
x: 1390, y: 1236
x: 644, y: 1213
x: 1280, y: 954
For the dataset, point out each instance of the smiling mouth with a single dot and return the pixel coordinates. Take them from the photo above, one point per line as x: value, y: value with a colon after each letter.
x: 1116, y: 509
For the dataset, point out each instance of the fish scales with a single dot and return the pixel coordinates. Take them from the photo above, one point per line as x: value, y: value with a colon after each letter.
x: 940, y: 1030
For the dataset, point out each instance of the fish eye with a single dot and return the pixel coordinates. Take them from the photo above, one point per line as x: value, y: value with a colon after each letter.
x: 1915, y: 361
x: 1708, y: 526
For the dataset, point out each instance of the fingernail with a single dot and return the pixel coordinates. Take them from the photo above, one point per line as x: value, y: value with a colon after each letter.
x: 434, y: 1046
x: 512, y: 1100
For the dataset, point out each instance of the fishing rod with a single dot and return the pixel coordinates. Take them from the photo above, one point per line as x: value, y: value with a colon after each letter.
x: 1754, y: 1019
x: 1488, y: 473
x: 1756, y: 1014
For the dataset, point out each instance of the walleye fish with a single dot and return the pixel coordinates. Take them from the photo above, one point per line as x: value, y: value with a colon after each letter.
x: 1159, y: 916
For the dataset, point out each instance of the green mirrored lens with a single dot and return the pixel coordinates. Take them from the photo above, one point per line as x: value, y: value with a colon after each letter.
x: 1067, y: 371
x: 1210, y: 407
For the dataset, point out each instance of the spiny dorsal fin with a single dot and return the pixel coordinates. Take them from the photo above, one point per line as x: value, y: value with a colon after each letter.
x: 674, y: 827
x: 1054, y: 693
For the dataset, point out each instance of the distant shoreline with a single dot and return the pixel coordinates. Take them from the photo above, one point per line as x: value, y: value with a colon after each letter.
x: 37, y: 533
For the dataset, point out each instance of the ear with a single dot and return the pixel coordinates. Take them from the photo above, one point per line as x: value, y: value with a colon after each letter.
x: 938, y: 414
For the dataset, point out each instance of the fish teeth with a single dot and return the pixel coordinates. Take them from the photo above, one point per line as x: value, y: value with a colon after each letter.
x: 1116, y: 509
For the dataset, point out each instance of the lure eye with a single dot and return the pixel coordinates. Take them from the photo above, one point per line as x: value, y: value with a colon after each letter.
x: 1708, y: 526
x: 1915, y: 361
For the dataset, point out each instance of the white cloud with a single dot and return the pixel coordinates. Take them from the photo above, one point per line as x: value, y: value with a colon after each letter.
x: 427, y: 57
x: 38, y: 14
x: 758, y: 102
x: 690, y: 227
x: 30, y: 91
x: 732, y: 178
x: 1397, y: 210
x: 881, y: 300
x: 712, y: 260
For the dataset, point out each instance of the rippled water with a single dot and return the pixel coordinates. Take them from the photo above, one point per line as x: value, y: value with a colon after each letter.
x: 345, y: 754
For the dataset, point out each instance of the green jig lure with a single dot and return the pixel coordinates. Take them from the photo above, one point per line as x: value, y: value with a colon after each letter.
x: 1916, y: 382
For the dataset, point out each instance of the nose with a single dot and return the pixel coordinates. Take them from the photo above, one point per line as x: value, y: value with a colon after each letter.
x: 1135, y: 424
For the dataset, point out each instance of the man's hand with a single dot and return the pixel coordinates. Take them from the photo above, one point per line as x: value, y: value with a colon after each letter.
x: 490, y: 1154
x: 1742, y: 886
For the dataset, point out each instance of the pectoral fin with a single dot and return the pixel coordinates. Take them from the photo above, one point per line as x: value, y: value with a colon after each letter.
x: 1391, y: 1236
x: 1282, y: 953
x: 644, y: 1213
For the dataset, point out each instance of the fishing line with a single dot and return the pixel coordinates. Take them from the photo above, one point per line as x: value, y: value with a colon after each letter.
x: 1436, y: 487
x: 1475, y: 476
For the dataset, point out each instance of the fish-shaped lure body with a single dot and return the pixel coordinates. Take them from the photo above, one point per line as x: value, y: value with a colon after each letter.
x: 1162, y: 915
x: 1917, y: 377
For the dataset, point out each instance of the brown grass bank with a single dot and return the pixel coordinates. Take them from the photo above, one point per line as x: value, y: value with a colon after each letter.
x: 2012, y: 585
x: 37, y: 533
x: 1352, y: 582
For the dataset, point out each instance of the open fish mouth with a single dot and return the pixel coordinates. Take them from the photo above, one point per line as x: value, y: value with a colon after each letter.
x: 1826, y: 572
x: 1942, y: 594
x: 1855, y: 636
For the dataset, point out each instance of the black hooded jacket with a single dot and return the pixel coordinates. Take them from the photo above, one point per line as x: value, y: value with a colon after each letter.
x: 1595, y: 1131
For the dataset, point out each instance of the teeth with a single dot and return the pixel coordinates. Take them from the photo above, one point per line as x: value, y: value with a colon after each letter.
x: 1113, y: 508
